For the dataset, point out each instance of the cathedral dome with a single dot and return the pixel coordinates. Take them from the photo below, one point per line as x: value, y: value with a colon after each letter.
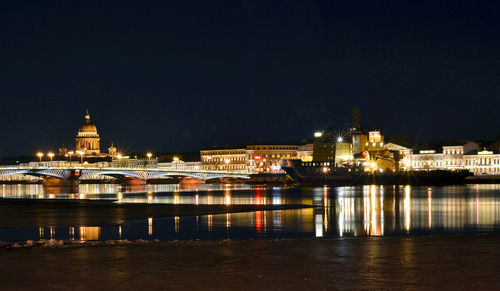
x: 88, y: 126
x: 87, y: 139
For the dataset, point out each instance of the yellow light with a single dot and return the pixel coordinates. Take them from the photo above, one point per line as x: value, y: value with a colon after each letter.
x: 39, y: 154
x: 50, y: 155
x: 71, y: 152
x: 149, y: 155
x: 176, y: 159
x: 325, y: 169
x: 119, y: 156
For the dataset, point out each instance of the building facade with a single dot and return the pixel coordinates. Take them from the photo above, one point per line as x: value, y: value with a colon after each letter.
x: 234, y: 160
x: 267, y: 158
x: 483, y: 163
x: 324, y: 147
x: 305, y: 152
x: 459, y: 157
x: 253, y: 158
x: 343, y: 153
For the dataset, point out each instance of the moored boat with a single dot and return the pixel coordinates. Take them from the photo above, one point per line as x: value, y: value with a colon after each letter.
x: 327, y: 173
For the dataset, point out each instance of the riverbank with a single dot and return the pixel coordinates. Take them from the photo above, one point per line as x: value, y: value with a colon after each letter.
x: 64, y: 212
x: 431, y: 262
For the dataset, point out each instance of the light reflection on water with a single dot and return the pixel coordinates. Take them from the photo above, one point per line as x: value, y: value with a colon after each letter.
x: 338, y: 212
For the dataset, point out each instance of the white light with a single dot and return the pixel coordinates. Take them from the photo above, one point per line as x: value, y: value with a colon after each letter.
x: 340, y: 139
x: 318, y: 134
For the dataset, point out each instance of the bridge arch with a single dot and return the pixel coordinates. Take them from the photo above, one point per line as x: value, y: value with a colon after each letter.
x: 60, y: 174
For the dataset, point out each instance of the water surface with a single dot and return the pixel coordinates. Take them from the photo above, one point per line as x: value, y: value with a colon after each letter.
x: 339, y: 212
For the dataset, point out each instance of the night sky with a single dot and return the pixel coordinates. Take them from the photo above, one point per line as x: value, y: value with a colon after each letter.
x: 184, y: 75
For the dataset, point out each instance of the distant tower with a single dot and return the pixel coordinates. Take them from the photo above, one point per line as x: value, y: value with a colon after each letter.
x: 63, y: 151
x: 355, y: 118
x: 112, y: 151
x: 88, y: 139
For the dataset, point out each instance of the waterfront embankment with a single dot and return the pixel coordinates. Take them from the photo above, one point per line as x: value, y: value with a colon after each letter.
x: 461, y: 262
x: 65, y: 212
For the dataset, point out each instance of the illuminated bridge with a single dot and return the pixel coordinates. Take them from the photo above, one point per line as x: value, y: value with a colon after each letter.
x: 71, y: 175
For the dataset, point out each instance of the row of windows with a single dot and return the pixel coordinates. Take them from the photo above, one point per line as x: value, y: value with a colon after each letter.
x: 272, y: 147
x: 224, y: 159
x: 316, y: 164
x: 486, y: 170
x: 483, y: 161
x: 438, y: 163
x: 223, y: 167
x: 274, y: 156
x: 219, y: 153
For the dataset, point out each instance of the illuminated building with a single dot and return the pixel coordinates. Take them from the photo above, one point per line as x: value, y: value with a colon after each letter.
x: 112, y: 151
x: 267, y: 158
x: 451, y: 158
x: 343, y: 152
x: 358, y: 142
x: 459, y: 157
x: 224, y: 160
x: 427, y: 160
x: 324, y: 147
x: 404, y: 155
x: 370, y: 150
x: 305, y: 152
x: 484, y: 163
x: 87, y: 139
x: 253, y: 158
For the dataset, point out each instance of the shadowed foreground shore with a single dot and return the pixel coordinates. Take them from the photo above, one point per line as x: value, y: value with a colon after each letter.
x: 444, y: 262
x: 59, y: 213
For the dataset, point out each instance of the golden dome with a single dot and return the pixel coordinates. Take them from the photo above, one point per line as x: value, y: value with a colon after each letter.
x: 87, y: 126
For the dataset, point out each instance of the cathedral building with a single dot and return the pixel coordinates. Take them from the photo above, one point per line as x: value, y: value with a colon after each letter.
x: 87, y: 139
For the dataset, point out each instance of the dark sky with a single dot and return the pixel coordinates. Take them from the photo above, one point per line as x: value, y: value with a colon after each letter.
x: 184, y: 75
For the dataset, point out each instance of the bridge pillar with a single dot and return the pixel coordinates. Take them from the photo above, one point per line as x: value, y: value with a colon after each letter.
x: 127, y: 181
x: 71, y: 179
x: 191, y: 180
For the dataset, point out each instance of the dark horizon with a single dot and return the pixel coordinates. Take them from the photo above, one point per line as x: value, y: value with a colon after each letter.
x: 182, y: 76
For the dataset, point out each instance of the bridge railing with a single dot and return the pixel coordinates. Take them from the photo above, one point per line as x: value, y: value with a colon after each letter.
x: 187, y: 167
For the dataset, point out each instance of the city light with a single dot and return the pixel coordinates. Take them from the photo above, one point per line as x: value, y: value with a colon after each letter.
x: 318, y: 134
x: 149, y: 155
x: 340, y: 139
x: 51, y: 155
x: 81, y: 153
x: 40, y: 156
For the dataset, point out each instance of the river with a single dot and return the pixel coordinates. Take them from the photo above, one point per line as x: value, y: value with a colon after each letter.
x: 354, y: 211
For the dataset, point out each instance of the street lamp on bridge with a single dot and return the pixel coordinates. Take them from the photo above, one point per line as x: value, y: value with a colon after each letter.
x: 40, y: 156
x: 51, y: 155
x: 81, y: 155
x: 149, y: 155
x: 70, y: 153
